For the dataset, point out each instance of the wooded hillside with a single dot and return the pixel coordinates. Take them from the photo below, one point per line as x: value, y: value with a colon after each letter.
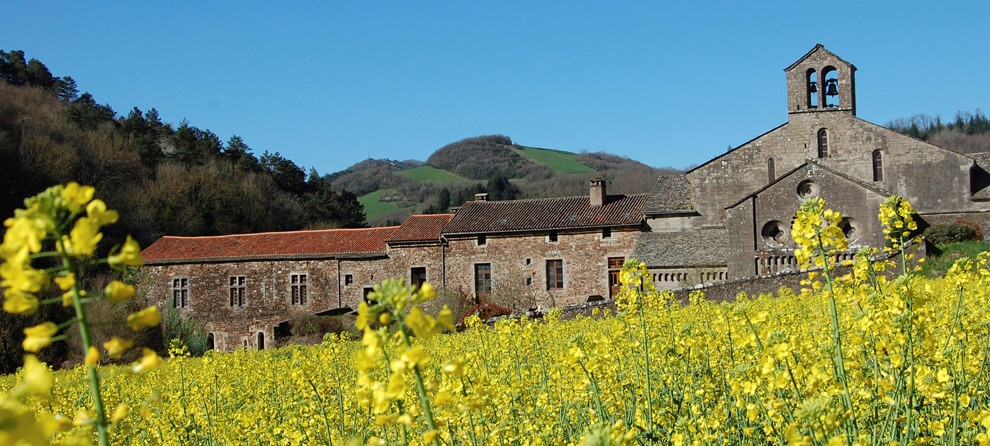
x: 165, y: 179
x: 494, y: 164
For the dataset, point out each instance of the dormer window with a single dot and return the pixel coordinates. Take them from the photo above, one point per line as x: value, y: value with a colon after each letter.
x: 823, y: 143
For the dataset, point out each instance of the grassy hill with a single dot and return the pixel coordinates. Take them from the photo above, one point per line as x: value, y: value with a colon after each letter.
x: 392, y: 190
x: 379, y: 202
x: 427, y: 172
x: 558, y: 161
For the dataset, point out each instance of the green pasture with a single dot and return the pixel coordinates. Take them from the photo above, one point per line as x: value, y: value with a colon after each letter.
x: 373, y: 206
x: 430, y: 173
x: 557, y: 160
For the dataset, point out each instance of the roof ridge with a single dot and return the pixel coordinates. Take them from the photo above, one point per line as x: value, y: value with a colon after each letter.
x: 573, y: 197
x: 297, y: 231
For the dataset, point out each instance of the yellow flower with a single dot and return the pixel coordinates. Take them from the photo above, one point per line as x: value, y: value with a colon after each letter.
x: 77, y: 196
x: 455, y: 367
x: 119, y: 413
x: 65, y: 282
x: 22, y: 232
x: 148, y: 317
x: 97, y: 210
x: 18, y: 274
x: 82, y: 240
x: 17, y: 302
x: 37, y: 377
x: 92, y: 356
x: 117, y: 346
x: 149, y: 361
x: 426, y: 291
x: 39, y: 336
x: 118, y: 291
x: 129, y: 255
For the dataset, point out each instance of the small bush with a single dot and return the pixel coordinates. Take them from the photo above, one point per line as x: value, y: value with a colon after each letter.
x: 311, y: 325
x: 487, y: 311
x: 942, y: 234
x: 191, y: 333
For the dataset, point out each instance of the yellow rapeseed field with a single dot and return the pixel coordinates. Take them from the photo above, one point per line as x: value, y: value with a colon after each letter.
x: 855, y: 359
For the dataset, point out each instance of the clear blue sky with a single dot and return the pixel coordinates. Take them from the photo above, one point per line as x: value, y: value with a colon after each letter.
x: 329, y: 83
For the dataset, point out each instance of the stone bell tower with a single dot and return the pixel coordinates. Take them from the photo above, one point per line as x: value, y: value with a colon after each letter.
x: 821, y: 82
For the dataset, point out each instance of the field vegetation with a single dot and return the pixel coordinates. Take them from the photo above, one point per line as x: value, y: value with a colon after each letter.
x: 558, y: 161
x: 881, y: 355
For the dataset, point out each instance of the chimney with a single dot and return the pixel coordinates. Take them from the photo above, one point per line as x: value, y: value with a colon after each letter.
x: 480, y: 197
x: 598, y: 194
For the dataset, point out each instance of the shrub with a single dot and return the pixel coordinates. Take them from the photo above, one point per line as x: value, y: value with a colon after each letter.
x: 944, y: 233
x: 486, y: 311
x: 312, y: 325
x: 192, y: 334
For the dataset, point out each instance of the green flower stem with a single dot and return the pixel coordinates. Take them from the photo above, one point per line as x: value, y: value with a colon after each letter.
x: 424, y: 400
x: 94, y: 379
x: 646, y: 360
x: 836, y: 335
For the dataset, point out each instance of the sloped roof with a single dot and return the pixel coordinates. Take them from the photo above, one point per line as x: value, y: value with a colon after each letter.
x: 809, y: 163
x: 699, y: 247
x: 420, y: 228
x: 671, y: 194
x: 323, y: 243
x: 480, y: 217
x: 812, y: 51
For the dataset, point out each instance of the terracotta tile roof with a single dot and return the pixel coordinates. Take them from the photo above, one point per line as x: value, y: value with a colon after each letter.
x: 420, y: 228
x: 479, y: 217
x: 323, y: 243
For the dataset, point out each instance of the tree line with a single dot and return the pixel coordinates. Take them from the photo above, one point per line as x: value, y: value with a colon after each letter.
x: 174, y: 180
x: 968, y: 132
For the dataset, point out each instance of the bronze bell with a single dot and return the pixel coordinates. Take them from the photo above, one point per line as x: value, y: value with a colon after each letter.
x: 832, y: 87
x: 813, y: 87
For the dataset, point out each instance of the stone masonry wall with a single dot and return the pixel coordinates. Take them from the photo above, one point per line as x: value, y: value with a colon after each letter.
x: 518, y: 264
x: 266, y: 296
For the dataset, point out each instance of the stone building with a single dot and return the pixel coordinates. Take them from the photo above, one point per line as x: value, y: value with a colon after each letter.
x: 245, y: 288
x: 731, y: 216
x: 728, y: 218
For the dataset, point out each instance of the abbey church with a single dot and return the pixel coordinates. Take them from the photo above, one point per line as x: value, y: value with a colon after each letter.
x: 729, y: 218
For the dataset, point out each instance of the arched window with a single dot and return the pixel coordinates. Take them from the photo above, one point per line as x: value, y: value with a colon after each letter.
x: 770, y: 171
x: 830, y: 83
x: 877, y: 165
x: 210, y: 342
x: 812, y: 89
x: 823, y: 143
x: 261, y: 340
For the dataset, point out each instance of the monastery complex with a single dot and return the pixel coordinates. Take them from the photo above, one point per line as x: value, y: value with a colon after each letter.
x: 728, y: 218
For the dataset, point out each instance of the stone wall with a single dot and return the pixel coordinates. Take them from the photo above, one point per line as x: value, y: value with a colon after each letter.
x: 267, y: 299
x: 518, y: 264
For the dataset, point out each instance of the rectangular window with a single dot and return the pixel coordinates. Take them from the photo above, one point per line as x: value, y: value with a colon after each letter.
x: 180, y: 292
x: 553, y: 236
x: 297, y: 288
x: 482, y: 279
x: 237, y: 289
x: 555, y: 274
x: 482, y: 240
x: 417, y: 277
x: 606, y: 233
x: 614, y: 268
x: 348, y: 279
